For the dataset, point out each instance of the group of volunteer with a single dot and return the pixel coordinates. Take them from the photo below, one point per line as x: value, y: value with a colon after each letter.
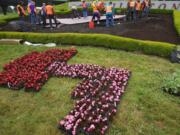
x: 35, y: 16
x: 99, y: 7
x: 137, y: 9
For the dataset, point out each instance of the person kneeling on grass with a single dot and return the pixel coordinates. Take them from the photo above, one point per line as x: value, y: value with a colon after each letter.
x: 96, y: 13
x: 109, y: 15
x: 50, y: 14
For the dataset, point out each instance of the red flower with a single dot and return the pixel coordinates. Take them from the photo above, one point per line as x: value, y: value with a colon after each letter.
x: 29, y: 71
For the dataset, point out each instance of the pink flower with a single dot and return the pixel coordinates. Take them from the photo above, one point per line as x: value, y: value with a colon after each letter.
x: 62, y: 122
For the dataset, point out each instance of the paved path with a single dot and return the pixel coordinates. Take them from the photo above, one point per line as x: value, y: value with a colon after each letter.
x: 69, y: 21
x: 84, y: 20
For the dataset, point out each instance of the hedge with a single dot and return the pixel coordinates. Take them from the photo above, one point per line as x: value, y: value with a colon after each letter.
x: 97, y: 40
x: 152, y: 11
x: 64, y: 9
x: 6, y: 18
x: 161, y: 11
x: 176, y: 16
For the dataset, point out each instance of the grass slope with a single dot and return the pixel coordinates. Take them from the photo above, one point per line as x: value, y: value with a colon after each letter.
x: 144, y: 108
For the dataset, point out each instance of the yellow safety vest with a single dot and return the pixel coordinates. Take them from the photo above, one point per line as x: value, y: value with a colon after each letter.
x: 94, y: 7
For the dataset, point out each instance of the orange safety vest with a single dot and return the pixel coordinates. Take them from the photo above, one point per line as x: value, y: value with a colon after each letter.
x: 132, y: 4
x: 100, y: 5
x: 84, y: 5
x: 109, y: 9
x: 20, y: 10
x: 138, y: 6
x: 49, y: 10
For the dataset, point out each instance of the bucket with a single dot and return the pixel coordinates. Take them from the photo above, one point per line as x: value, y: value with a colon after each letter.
x: 91, y: 25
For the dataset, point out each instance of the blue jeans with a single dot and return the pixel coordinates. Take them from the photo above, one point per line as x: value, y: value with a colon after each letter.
x: 138, y: 14
x: 33, y: 18
x: 145, y: 12
x: 84, y: 11
x: 21, y: 18
x: 96, y: 15
x: 131, y: 14
x: 109, y: 19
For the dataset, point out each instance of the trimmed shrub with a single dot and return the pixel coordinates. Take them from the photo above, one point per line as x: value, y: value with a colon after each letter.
x: 161, y: 11
x: 171, y: 83
x: 9, y: 17
x: 152, y: 11
x: 62, y: 9
x: 176, y: 16
x: 97, y: 40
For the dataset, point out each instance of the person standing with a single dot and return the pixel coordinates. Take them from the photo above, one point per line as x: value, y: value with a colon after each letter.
x: 113, y: 9
x: 146, y: 7
x: 50, y: 14
x: 138, y: 9
x: 43, y: 14
x: 21, y: 11
x: 109, y: 15
x: 131, y: 10
x: 84, y: 9
x: 96, y: 13
x: 32, y: 12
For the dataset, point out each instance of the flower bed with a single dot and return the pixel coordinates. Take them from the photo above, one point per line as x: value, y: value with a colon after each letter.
x: 29, y: 71
x: 98, y: 96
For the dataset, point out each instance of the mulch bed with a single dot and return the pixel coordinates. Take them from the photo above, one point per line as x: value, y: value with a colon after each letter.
x: 156, y: 27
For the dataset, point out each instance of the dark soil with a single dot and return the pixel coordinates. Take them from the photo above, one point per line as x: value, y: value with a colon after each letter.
x: 155, y: 27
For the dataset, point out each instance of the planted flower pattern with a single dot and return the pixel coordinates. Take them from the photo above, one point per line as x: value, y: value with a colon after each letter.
x: 97, y: 96
x: 30, y: 71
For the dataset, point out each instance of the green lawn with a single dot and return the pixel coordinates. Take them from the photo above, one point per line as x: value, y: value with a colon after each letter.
x: 143, y: 110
